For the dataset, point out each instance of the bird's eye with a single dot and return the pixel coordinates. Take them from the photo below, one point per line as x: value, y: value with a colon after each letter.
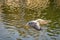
x: 32, y: 23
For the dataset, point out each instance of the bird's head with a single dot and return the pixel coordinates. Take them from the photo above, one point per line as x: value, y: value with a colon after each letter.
x: 34, y: 24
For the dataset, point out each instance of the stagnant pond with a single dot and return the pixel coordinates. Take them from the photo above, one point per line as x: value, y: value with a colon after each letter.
x: 12, y: 25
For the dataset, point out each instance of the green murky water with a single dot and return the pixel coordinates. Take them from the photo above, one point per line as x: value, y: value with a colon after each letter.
x: 13, y: 20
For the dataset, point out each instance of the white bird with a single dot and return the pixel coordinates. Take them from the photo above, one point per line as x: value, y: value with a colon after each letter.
x: 37, y: 23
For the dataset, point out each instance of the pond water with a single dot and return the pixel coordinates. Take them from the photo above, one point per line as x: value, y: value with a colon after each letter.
x: 12, y: 25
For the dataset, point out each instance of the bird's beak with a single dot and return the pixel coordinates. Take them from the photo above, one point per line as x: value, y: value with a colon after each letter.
x: 26, y: 25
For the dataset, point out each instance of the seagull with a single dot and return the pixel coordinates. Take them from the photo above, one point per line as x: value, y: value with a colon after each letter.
x: 36, y: 24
